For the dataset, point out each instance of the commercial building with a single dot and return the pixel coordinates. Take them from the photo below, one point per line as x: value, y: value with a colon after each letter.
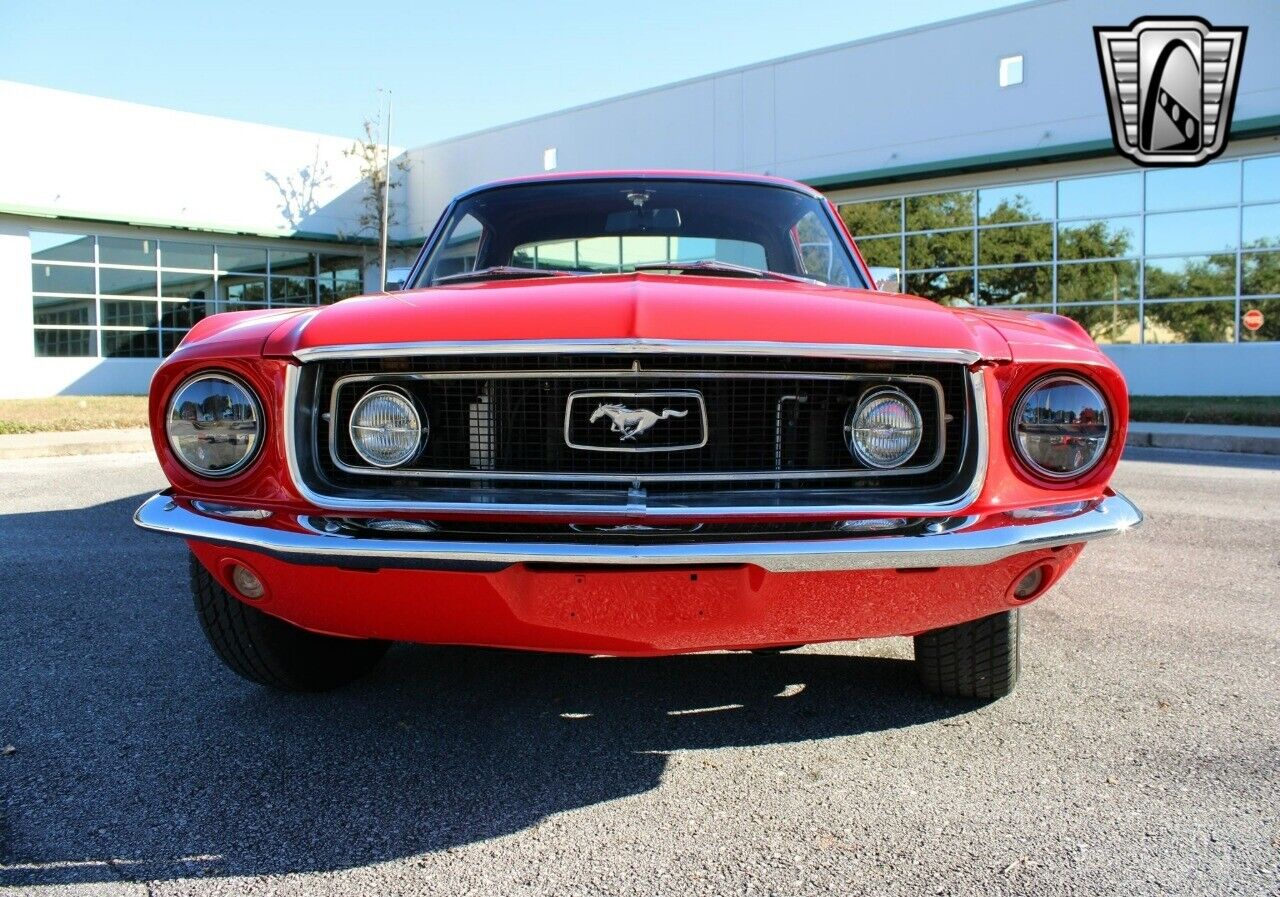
x: 972, y: 158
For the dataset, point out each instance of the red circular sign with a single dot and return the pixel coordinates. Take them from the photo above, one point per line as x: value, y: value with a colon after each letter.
x: 1252, y: 319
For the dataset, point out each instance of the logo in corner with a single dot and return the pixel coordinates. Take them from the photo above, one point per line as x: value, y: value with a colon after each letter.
x: 1171, y: 87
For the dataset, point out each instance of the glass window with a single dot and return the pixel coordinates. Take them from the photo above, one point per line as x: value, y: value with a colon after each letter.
x: 183, y: 314
x: 1099, y: 197
x: 1191, y: 322
x: 1270, y: 329
x: 129, y: 313
x: 638, y: 250
x: 1099, y: 239
x: 1187, y: 188
x: 169, y: 340
x: 293, y: 291
x: 57, y: 310
x: 241, y: 290
x: 61, y: 279
x: 1010, y: 245
x: 66, y: 343
x: 938, y: 210
x: 130, y: 343
x: 943, y: 249
x: 1262, y: 179
x: 291, y: 261
x: 882, y: 252
x: 1261, y: 226
x: 186, y: 255
x: 126, y: 282
x: 242, y: 258
x: 340, y: 277
x: 1023, y: 285
x: 1178, y: 232
x: 1021, y: 202
x: 48, y: 246
x: 1260, y: 273
x: 127, y: 251
x: 1098, y: 281
x: 1191, y: 276
x: 179, y: 285
x: 1113, y: 322
x: 879, y: 216
x: 947, y: 287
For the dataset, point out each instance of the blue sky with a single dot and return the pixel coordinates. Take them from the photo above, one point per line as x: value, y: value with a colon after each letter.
x: 453, y: 68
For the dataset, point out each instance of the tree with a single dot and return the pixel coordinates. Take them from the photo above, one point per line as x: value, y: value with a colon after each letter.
x: 369, y: 151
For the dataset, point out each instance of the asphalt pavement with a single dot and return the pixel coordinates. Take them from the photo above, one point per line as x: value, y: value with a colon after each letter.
x: 1140, y: 754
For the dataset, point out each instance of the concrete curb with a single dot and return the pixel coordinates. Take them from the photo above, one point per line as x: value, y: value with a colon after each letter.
x: 1205, y: 438
x: 82, y: 442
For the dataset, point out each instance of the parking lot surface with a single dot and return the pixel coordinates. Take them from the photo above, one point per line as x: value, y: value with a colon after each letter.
x: 1140, y: 754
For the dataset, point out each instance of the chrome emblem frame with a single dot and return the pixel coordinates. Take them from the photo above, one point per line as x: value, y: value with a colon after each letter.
x: 1171, y: 84
x: 632, y: 422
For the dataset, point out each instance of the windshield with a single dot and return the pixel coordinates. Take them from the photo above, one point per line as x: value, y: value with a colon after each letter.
x: 717, y: 228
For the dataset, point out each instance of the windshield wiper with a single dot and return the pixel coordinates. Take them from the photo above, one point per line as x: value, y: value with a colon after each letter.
x: 724, y: 269
x: 501, y: 272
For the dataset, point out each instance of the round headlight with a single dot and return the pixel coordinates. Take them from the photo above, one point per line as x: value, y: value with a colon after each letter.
x: 385, y: 428
x: 1061, y: 426
x: 884, y: 429
x: 214, y: 425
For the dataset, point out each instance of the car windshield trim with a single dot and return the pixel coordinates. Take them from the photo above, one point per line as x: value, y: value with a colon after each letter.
x: 503, y: 272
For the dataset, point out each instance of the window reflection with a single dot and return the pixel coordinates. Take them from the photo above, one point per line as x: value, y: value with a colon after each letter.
x: 1027, y: 284
x: 1177, y: 232
x: 1098, y: 281
x: 1191, y: 277
x: 1191, y: 322
x: 1262, y: 179
x: 48, y: 246
x: 882, y: 252
x: 1096, y: 197
x: 1023, y: 202
x: 1260, y: 226
x: 1187, y: 188
x: 939, y: 210
x: 1099, y: 238
x: 947, y: 287
x: 879, y: 216
x: 1260, y: 273
x: 1009, y: 245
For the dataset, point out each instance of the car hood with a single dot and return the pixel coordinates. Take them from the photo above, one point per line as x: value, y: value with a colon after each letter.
x: 639, y: 306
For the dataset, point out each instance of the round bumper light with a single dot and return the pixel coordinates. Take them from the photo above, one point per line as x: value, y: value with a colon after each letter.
x: 884, y: 429
x: 386, y: 429
x: 247, y: 582
x: 214, y: 425
x: 1061, y: 426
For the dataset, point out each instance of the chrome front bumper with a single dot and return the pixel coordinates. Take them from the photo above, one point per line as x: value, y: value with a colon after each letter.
x: 960, y: 542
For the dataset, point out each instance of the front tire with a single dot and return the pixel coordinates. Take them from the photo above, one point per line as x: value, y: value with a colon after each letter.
x: 978, y: 659
x: 271, y: 652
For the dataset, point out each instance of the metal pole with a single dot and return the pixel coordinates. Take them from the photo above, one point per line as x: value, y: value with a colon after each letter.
x: 386, y: 195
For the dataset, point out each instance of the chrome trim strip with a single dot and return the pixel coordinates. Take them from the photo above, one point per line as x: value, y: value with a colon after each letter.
x: 637, y: 509
x: 966, y: 545
x: 637, y: 346
x: 744, y: 475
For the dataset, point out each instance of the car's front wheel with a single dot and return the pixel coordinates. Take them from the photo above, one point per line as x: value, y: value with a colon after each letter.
x: 271, y: 652
x: 978, y: 659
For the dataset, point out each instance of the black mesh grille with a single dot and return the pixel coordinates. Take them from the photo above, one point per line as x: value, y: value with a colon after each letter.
x: 771, y: 423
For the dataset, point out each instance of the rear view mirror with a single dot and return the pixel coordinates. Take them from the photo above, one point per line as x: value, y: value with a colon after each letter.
x: 640, y: 220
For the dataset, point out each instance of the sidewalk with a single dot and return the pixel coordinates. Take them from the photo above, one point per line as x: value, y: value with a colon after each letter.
x: 1205, y: 437
x: 79, y: 442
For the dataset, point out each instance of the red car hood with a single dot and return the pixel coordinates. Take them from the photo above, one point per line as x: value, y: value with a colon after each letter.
x: 641, y: 306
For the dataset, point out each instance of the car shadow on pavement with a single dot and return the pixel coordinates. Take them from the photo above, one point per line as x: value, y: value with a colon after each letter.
x: 138, y: 757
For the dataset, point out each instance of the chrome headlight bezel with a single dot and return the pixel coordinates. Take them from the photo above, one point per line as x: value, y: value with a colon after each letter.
x: 1023, y: 454
x: 864, y: 403
x: 254, y: 444
x: 421, y: 427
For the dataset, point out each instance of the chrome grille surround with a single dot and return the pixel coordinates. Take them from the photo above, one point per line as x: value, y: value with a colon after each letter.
x: 635, y: 503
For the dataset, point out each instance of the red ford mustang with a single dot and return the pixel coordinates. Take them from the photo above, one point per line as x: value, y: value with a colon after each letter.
x: 633, y: 413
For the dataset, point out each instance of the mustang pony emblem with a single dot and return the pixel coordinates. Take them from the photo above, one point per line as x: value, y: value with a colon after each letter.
x: 632, y: 423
